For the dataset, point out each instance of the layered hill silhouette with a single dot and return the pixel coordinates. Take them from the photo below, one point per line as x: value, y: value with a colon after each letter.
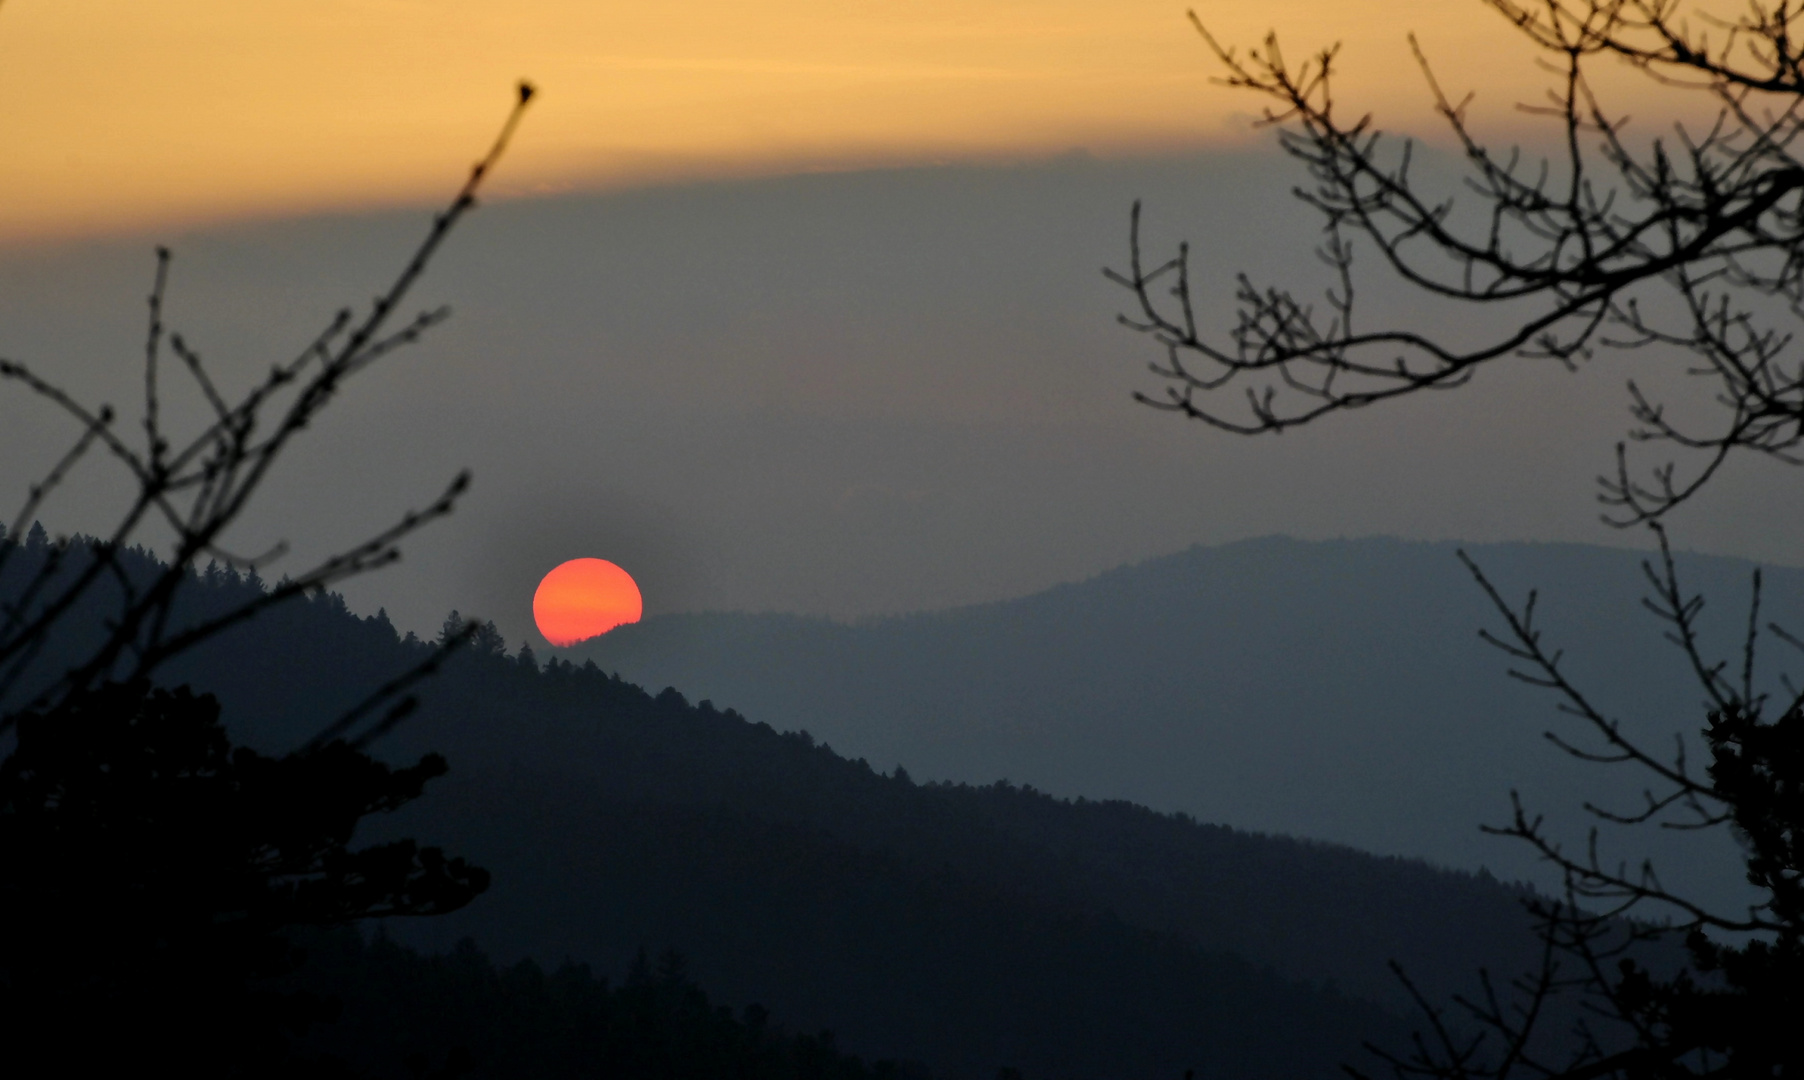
x: 969, y: 928
x: 1336, y: 690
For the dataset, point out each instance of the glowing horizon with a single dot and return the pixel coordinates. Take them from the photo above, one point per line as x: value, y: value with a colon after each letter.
x: 122, y: 117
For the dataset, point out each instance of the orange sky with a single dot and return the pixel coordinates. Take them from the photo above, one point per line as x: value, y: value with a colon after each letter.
x: 124, y: 115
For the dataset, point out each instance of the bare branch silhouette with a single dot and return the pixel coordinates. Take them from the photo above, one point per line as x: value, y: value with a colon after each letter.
x: 153, y: 872
x: 1686, y: 251
x: 1693, y: 245
x: 197, y: 485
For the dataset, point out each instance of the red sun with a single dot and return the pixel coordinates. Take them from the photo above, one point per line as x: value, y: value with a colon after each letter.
x: 585, y: 598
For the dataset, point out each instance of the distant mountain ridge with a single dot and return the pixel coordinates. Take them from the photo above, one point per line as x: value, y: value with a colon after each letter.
x: 1333, y: 689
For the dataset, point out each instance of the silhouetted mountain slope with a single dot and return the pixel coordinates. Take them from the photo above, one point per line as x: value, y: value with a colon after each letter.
x: 966, y: 927
x: 909, y: 919
x: 458, y: 1014
x: 1336, y: 690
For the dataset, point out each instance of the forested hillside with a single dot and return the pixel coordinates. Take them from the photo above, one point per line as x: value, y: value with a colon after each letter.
x: 1336, y: 690
x: 403, y: 1015
x: 970, y: 928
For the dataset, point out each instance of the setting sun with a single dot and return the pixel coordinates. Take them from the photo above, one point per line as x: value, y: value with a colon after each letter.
x: 585, y: 598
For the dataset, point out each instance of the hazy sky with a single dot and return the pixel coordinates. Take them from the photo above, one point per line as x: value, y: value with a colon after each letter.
x: 835, y: 388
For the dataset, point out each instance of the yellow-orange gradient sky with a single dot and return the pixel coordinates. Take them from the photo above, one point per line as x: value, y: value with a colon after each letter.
x: 124, y: 115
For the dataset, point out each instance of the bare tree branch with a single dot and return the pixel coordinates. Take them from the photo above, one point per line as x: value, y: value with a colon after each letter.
x: 1689, y: 244
x: 198, y: 486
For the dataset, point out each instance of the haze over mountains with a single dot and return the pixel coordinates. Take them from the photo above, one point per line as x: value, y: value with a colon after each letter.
x: 846, y: 394
x: 1336, y: 690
